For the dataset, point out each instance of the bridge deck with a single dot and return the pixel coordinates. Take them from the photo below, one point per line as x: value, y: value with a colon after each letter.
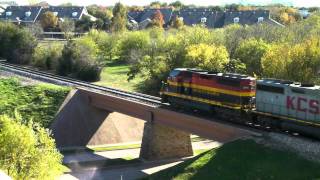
x: 209, y: 128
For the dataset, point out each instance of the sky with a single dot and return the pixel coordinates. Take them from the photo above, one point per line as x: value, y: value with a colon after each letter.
x: 298, y: 3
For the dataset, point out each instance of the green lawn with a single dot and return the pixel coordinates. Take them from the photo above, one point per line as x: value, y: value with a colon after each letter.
x: 243, y: 159
x: 115, y: 75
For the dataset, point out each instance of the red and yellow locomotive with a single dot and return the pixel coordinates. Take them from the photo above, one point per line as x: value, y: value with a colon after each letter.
x: 205, y: 90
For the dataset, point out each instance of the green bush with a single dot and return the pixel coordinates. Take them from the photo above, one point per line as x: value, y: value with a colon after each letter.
x: 17, y: 45
x: 27, y: 151
x: 80, y: 60
x: 46, y: 56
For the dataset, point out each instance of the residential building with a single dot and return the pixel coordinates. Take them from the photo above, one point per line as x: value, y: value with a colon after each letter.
x: 204, y: 16
x: 143, y: 18
x: 31, y: 14
x: 21, y: 14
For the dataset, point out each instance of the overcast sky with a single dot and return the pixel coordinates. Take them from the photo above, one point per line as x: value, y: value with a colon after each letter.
x: 299, y: 3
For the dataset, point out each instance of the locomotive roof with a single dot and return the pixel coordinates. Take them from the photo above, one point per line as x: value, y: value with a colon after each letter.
x: 211, y: 73
x: 285, y: 83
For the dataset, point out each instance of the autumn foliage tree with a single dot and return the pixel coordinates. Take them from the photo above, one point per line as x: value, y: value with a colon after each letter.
x: 157, y: 19
x: 177, y: 22
x: 48, y: 20
x: 119, y: 19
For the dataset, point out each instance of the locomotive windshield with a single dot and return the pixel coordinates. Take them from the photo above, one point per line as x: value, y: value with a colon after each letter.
x: 174, y: 73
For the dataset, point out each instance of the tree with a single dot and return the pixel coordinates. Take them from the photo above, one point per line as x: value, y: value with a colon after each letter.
x: 27, y: 151
x: 250, y: 53
x: 177, y: 5
x: 276, y: 60
x: 119, y: 19
x: 155, y: 4
x: 35, y: 29
x: 67, y: 26
x: 102, y: 14
x: 131, y: 43
x: 17, y: 45
x: 157, y: 19
x: 208, y: 57
x: 300, y: 62
x: 177, y: 22
x: 48, y: 20
x: 80, y: 60
x: 232, y: 7
x: 84, y: 24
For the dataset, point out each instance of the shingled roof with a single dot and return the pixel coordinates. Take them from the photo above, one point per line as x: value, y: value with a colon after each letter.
x: 27, y: 14
x: 246, y: 17
x: 140, y: 16
x: 30, y: 14
x: 212, y: 19
x: 70, y: 12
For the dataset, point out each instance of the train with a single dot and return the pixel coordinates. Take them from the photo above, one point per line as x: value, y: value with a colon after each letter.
x: 267, y: 103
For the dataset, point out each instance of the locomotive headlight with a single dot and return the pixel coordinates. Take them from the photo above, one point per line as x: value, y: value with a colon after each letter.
x: 246, y: 87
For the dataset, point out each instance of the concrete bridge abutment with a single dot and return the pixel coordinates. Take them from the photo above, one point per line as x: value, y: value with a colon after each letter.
x: 163, y: 142
x: 79, y: 123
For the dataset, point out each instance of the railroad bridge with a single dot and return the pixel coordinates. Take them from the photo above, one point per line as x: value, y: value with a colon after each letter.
x: 166, y: 132
x: 86, y: 108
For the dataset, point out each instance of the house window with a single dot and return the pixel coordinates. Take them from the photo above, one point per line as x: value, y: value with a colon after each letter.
x: 236, y: 20
x: 8, y: 13
x: 55, y: 13
x: 260, y: 19
x: 28, y: 13
x: 203, y: 20
x: 74, y: 14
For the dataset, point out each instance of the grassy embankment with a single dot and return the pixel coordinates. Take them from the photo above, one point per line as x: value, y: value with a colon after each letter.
x: 38, y: 103
x: 243, y: 159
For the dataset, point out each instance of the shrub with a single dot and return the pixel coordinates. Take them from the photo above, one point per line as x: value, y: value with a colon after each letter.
x: 46, y: 56
x: 80, y: 60
x: 17, y: 45
x: 27, y: 151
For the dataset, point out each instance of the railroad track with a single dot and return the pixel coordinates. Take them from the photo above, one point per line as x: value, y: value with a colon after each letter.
x: 48, y: 77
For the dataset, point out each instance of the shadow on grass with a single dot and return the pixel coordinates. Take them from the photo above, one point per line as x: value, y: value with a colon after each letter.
x: 115, y: 63
x: 243, y: 159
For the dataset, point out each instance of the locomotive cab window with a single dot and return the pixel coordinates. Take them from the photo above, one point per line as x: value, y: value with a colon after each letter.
x: 174, y: 73
x: 272, y: 89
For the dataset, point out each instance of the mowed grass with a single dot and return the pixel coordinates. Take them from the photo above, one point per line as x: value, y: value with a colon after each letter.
x: 115, y: 75
x: 243, y: 159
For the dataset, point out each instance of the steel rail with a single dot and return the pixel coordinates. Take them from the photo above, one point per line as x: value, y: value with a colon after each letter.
x: 74, y: 82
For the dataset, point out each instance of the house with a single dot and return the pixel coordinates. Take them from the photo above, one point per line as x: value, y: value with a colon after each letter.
x: 191, y: 17
x: 70, y: 12
x: 31, y: 14
x: 21, y: 14
x: 204, y: 16
x: 304, y: 12
x: 219, y: 19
